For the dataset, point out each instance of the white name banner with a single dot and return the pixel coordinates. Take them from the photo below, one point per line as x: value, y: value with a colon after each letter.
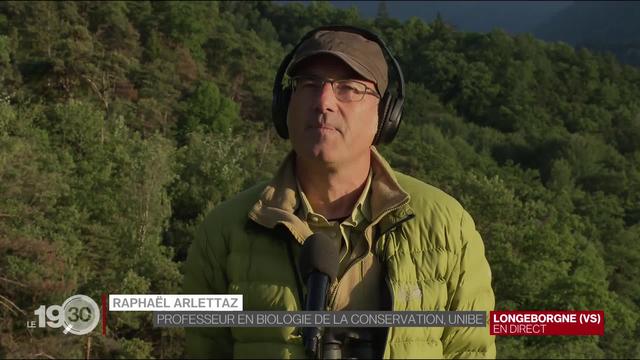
x: 174, y: 302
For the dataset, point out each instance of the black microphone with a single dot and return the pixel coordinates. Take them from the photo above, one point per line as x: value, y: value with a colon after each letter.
x: 318, y: 264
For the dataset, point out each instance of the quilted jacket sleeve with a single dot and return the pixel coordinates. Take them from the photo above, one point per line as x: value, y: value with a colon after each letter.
x: 473, y: 292
x: 204, y: 274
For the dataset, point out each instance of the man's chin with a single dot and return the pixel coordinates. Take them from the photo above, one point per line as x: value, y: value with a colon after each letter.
x: 322, y: 153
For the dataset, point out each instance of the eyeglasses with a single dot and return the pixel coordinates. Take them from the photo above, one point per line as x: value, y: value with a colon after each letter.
x: 344, y: 90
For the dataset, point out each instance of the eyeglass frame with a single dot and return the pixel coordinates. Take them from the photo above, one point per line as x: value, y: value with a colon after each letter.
x: 367, y: 89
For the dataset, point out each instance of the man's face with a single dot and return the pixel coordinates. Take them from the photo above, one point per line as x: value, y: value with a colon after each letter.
x: 321, y: 127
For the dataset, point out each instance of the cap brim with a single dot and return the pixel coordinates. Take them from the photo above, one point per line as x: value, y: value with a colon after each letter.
x: 353, y: 63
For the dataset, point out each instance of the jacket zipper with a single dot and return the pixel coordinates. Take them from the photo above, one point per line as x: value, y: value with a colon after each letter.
x: 296, y: 272
x: 386, y: 275
x: 390, y: 289
x: 334, y: 290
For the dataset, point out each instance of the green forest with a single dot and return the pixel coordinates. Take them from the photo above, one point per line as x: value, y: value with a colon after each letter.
x: 123, y: 123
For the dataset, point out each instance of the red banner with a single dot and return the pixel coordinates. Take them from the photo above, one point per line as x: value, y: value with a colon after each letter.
x: 540, y: 323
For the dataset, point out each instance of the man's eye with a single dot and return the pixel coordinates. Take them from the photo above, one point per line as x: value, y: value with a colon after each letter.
x: 309, y: 84
x: 350, y: 87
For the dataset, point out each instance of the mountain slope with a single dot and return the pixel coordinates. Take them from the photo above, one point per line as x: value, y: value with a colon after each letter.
x: 603, y: 26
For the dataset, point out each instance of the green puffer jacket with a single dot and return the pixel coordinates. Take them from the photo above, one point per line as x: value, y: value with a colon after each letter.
x: 432, y: 254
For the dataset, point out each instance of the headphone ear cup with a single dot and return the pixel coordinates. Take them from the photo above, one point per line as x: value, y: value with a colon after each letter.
x: 390, y: 112
x: 393, y: 120
x: 280, y: 108
x: 383, y: 110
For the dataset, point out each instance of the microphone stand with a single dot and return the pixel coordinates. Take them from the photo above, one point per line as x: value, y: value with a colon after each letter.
x: 321, y: 343
x: 312, y: 336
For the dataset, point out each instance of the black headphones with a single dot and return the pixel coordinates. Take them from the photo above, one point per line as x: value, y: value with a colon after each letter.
x: 389, y: 109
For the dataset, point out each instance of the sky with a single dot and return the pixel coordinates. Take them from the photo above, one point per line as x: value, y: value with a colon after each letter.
x: 477, y: 16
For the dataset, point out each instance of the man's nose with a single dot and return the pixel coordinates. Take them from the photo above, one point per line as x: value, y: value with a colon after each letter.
x: 326, y: 101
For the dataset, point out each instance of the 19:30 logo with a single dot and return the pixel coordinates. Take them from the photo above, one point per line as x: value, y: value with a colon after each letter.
x: 79, y: 315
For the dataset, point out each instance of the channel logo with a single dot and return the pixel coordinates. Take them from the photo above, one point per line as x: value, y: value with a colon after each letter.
x: 78, y: 315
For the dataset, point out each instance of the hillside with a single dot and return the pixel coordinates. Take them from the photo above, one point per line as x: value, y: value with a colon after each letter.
x: 612, y: 26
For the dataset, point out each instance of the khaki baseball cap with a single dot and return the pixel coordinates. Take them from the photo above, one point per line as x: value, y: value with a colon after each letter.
x: 364, y: 56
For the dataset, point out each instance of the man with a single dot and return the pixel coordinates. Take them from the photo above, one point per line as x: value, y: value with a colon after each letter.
x: 404, y: 245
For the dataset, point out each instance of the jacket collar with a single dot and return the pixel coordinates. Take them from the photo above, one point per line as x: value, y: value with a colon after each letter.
x: 359, y: 215
x: 279, y: 200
